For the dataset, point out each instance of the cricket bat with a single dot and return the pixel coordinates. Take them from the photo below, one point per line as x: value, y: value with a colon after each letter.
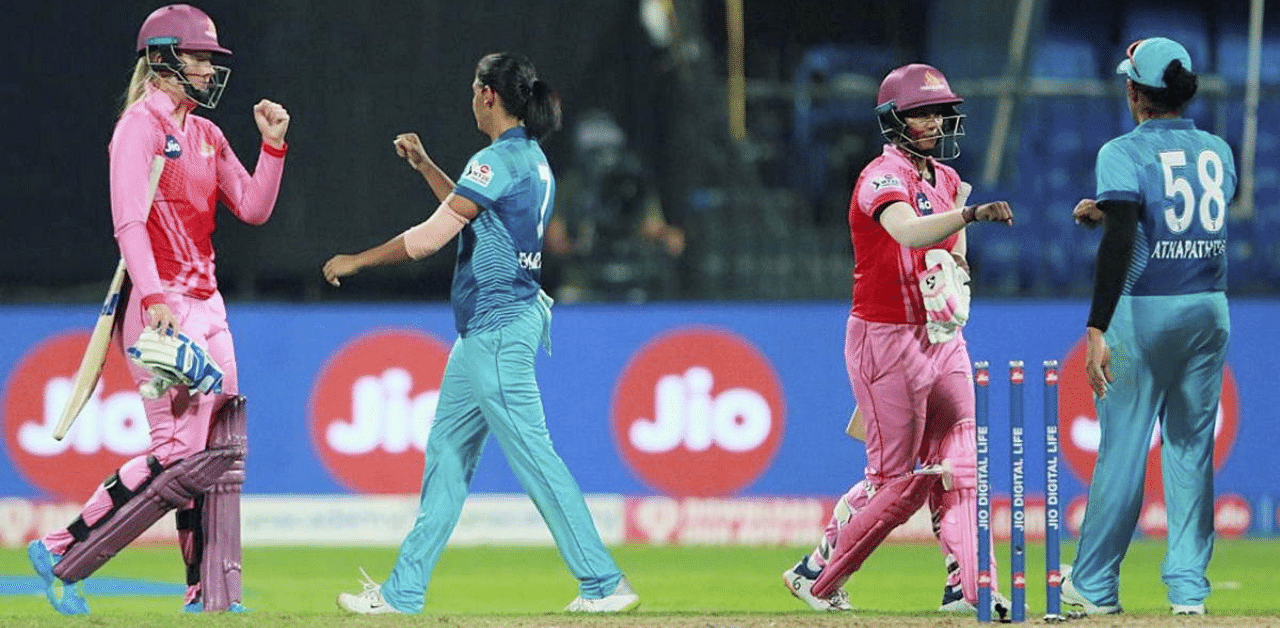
x: 95, y: 354
x: 857, y: 427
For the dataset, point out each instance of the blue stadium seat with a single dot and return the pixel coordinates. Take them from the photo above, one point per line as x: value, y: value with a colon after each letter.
x: 1233, y: 57
x: 813, y: 118
x: 1056, y: 56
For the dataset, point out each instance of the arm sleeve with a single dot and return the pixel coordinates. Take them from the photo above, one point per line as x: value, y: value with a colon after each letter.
x: 250, y: 198
x: 1114, y: 251
x: 133, y: 148
x: 431, y: 235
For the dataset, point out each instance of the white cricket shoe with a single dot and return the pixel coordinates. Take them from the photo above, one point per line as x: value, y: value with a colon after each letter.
x: 1073, y: 597
x: 799, y: 580
x: 367, y: 602
x: 622, y: 600
x: 1188, y: 609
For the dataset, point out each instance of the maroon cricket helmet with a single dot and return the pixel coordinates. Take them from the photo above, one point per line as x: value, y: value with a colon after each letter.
x: 182, y: 26
x: 915, y: 85
x: 911, y: 87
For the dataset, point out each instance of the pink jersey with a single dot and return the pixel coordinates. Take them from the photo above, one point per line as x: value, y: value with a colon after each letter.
x: 885, y: 273
x: 167, y: 246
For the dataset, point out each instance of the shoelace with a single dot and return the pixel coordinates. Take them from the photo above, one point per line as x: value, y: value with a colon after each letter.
x: 371, y: 588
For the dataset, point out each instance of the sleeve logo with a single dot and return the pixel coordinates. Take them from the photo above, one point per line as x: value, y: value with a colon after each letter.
x: 480, y: 174
x: 886, y: 180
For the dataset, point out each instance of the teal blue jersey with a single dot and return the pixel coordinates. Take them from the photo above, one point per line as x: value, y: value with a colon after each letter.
x: 1184, y: 179
x: 499, y: 269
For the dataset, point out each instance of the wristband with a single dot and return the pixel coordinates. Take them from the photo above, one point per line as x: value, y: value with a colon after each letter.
x: 969, y: 213
x: 275, y: 152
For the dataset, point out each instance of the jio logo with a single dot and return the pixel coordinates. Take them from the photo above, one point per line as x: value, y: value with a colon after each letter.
x: 1081, y: 433
x: 698, y: 412
x: 372, y: 408
x: 110, y: 429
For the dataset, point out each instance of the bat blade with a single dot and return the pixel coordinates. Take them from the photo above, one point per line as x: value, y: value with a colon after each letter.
x: 95, y: 354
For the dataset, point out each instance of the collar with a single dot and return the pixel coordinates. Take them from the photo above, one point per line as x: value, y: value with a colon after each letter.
x: 514, y: 132
x: 1157, y: 124
x: 894, y: 151
x: 161, y: 104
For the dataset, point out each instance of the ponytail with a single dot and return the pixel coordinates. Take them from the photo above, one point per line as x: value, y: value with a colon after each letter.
x: 1181, y: 87
x: 137, y: 84
x: 542, y: 116
x: 523, y: 94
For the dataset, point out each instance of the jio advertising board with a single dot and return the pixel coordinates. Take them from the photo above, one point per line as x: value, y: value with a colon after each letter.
x: 682, y: 413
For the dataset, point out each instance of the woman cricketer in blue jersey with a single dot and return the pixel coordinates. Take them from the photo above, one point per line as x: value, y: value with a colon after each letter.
x: 500, y: 205
x: 1157, y: 331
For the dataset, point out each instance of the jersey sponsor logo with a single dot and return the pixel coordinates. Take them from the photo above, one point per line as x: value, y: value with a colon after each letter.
x: 887, y: 180
x: 1080, y: 432
x: 111, y: 428
x: 480, y: 174
x: 172, y: 149
x: 530, y: 260
x: 372, y: 407
x: 923, y: 205
x: 698, y: 412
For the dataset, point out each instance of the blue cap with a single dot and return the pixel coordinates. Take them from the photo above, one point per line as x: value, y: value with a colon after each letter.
x: 1148, y: 59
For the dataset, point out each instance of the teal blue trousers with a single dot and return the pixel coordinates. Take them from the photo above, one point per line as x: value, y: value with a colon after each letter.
x: 489, y: 386
x: 1167, y: 354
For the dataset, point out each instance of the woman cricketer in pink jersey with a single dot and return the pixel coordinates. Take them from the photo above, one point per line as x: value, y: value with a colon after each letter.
x: 170, y: 260
x: 906, y: 356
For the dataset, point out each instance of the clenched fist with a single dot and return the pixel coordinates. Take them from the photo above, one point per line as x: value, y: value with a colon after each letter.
x: 273, y: 122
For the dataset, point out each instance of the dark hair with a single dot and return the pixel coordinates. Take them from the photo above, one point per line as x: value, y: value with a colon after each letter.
x: 523, y: 94
x: 1181, y: 84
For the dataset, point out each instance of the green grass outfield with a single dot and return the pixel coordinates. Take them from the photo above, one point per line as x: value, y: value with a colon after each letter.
x: 704, y: 587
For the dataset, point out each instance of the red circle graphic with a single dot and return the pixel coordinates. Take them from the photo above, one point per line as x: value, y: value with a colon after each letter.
x: 372, y: 407
x: 698, y: 412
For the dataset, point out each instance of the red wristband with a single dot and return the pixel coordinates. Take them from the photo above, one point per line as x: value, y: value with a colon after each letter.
x: 152, y: 299
x: 275, y: 152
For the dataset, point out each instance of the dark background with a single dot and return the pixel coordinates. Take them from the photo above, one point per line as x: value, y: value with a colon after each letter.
x: 354, y: 74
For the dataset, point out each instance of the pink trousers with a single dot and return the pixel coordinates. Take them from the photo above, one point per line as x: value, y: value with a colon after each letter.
x: 179, y: 421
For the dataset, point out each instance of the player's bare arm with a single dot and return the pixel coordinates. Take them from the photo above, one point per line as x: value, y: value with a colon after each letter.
x: 409, y: 146
x: 914, y: 231
x: 413, y: 244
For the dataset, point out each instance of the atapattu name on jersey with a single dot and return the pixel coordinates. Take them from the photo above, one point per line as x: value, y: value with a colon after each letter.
x: 1188, y: 249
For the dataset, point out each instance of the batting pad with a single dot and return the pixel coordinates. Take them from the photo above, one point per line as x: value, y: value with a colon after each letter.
x: 892, y: 504
x: 173, y: 488
x: 220, y: 573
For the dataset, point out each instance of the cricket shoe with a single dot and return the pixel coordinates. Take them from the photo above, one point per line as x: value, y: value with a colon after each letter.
x: 68, y: 601
x: 1073, y: 597
x: 953, y: 602
x: 367, y: 602
x: 799, y: 580
x: 1188, y: 609
x: 622, y: 600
